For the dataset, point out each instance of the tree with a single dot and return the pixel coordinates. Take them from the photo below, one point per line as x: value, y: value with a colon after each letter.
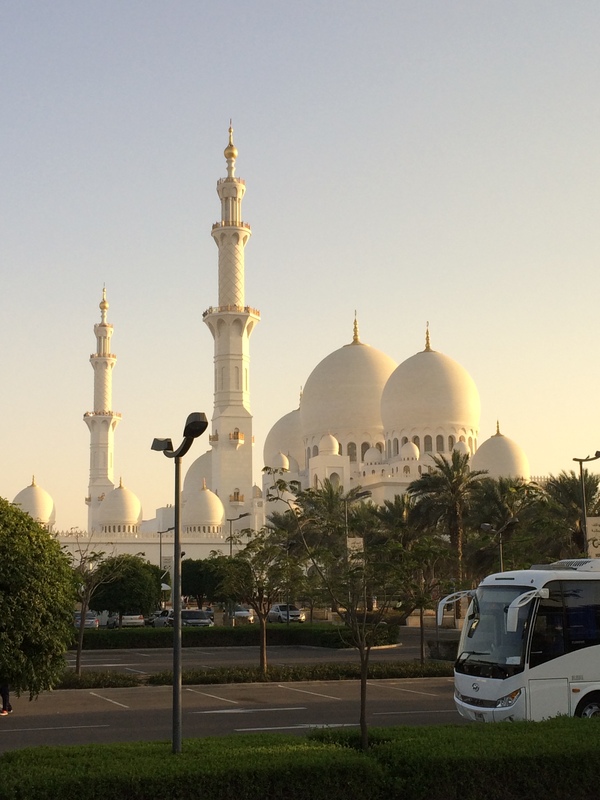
x: 37, y: 599
x: 258, y: 575
x: 443, y: 497
x: 200, y: 578
x: 132, y: 586
x: 564, y: 493
x: 355, y: 561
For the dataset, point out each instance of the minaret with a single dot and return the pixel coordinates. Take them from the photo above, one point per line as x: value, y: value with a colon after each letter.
x: 102, y: 421
x: 231, y: 324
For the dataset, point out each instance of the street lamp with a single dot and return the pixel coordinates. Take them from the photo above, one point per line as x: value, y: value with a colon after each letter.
x: 195, y: 425
x: 489, y: 529
x: 160, y: 535
x: 583, y: 501
x: 231, y: 521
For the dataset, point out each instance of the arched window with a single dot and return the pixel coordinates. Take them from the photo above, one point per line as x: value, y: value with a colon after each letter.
x: 352, y: 451
x: 396, y: 449
x: 406, y: 470
x: 417, y: 441
x: 404, y: 440
x: 439, y: 443
x: 451, y: 442
x: 363, y: 449
x: 307, y: 455
x: 389, y: 448
x: 470, y: 444
x: 315, y: 450
x: 428, y: 443
x: 334, y: 479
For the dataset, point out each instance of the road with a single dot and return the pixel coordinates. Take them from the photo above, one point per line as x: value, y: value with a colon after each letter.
x: 144, y: 714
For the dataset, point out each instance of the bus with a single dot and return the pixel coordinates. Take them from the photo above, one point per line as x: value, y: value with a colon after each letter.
x: 530, y: 644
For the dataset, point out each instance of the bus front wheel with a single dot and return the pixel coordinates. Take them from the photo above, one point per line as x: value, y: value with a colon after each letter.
x: 589, y: 706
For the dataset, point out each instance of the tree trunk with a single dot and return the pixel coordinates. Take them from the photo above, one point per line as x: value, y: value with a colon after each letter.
x: 422, y: 636
x: 263, y: 644
x: 84, y: 608
x: 364, y: 671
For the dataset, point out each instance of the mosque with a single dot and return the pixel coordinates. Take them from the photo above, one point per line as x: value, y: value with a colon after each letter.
x: 363, y: 420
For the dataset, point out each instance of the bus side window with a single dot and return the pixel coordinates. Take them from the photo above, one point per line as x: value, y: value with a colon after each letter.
x: 582, y: 602
x: 548, y: 638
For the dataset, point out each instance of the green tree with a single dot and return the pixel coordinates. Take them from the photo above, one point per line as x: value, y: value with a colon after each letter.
x: 135, y: 589
x: 564, y: 494
x: 259, y: 575
x: 200, y: 579
x: 37, y: 599
x: 444, y: 498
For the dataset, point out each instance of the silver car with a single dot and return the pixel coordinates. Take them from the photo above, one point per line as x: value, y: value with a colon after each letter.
x: 283, y: 612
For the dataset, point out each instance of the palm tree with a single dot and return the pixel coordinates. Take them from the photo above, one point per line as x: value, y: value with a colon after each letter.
x: 444, y: 498
x: 564, y: 493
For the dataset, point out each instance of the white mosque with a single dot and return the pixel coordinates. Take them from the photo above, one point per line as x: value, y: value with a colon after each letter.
x: 363, y: 420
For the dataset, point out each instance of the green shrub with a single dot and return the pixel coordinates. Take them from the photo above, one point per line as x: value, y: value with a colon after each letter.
x: 97, y: 680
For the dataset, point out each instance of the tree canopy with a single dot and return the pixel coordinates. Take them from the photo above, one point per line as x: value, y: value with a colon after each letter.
x: 37, y: 600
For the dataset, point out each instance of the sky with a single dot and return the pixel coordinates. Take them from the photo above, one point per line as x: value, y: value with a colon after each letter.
x: 415, y: 161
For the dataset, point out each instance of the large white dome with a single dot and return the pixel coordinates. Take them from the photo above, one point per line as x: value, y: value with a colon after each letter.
x: 284, y: 437
x: 342, y: 395
x: 199, y: 471
x: 120, y: 507
x: 502, y: 458
x: 36, y: 502
x: 430, y: 391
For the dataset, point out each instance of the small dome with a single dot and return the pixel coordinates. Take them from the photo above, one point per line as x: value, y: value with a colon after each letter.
x: 329, y: 445
x: 279, y: 461
x: 373, y: 456
x: 462, y: 448
x: 409, y: 452
x: 502, y: 458
x: 284, y: 437
x: 36, y: 502
x: 120, y: 507
x: 202, y: 507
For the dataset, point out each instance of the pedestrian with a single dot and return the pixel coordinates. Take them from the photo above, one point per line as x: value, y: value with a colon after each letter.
x: 5, y: 695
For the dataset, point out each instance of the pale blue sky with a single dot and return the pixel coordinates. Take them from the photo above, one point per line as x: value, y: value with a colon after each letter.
x: 412, y: 160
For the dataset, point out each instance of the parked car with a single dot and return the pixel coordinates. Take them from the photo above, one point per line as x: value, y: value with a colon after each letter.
x: 244, y: 614
x: 282, y: 612
x: 91, y: 619
x: 127, y: 621
x: 161, y: 618
x: 196, y: 618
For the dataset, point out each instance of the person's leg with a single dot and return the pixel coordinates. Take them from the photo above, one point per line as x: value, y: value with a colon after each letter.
x: 4, y: 694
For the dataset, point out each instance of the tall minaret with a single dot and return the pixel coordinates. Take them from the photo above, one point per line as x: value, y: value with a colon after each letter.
x: 231, y: 324
x: 102, y: 421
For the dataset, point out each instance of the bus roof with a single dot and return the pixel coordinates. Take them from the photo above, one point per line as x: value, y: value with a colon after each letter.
x: 541, y: 574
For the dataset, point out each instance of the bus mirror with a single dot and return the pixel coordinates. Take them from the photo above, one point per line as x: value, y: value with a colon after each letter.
x: 544, y: 593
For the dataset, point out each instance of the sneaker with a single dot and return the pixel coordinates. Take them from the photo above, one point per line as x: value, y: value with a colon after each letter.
x: 4, y: 713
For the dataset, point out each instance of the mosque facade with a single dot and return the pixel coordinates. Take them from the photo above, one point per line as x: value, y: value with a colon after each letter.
x: 363, y: 420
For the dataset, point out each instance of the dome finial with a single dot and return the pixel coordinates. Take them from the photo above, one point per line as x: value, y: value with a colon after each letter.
x: 427, y: 341
x: 33, y: 480
x: 355, y: 338
x: 498, y: 428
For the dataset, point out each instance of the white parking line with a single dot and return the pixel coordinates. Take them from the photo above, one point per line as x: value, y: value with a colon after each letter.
x: 400, y: 689
x: 137, y: 671
x: 299, y: 727
x: 249, y: 710
x: 305, y: 691
x: 419, y: 711
x: 53, y: 728
x: 108, y: 700
x: 214, y: 696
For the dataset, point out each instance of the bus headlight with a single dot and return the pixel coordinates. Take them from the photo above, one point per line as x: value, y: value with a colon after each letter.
x: 509, y: 699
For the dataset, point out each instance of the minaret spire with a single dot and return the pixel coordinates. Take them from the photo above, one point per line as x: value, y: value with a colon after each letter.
x: 427, y: 341
x: 102, y: 421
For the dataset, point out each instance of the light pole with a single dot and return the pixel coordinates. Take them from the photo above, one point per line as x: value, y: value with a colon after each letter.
x: 160, y: 535
x: 231, y: 521
x: 195, y: 426
x: 582, y: 461
x: 507, y: 525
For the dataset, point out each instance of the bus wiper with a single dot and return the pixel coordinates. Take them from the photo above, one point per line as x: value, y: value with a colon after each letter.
x: 468, y: 653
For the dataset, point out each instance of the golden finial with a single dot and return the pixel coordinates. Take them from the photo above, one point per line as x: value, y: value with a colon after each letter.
x: 427, y: 341
x: 121, y: 483
x: 203, y: 483
x: 498, y: 428
x: 104, y: 303
x: 33, y: 480
x: 355, y: 339
x: 230, y: 151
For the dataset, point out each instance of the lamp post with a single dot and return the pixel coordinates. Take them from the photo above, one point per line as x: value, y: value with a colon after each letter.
x: 195, y: 426
x: 160, y: 535
x: 231, y: 521
x: 489, y: 529
x: 582, y: 461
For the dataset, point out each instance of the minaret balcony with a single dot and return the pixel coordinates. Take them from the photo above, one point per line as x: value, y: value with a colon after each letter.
x: 236, y: 499
x: 213, y: 438
x: 237, y: 439
x: 233, y: 308
x: 225, y: 223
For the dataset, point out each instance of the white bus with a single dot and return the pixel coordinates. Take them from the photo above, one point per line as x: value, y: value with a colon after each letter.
x: 530, y: 644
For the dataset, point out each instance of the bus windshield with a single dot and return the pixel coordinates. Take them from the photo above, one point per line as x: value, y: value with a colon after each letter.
x: 486, y: 648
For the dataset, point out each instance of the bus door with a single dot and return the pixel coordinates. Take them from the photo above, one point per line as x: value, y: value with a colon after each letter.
x: 548, y: 694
